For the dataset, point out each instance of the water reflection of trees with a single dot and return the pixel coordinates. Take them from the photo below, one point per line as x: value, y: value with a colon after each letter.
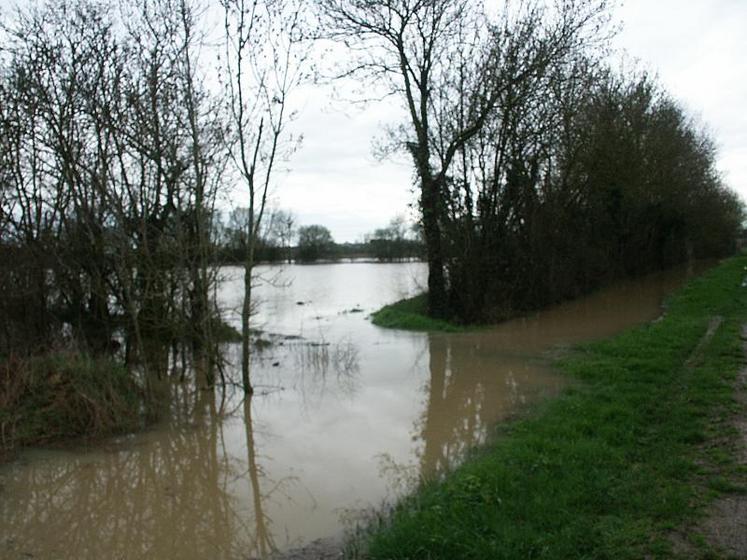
x: 178, y: 494
x: 264, y: 543
x: 471, y: 388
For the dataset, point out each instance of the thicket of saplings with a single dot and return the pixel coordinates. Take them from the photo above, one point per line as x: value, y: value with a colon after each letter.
x: 590, y: 178
x: 109, y: 165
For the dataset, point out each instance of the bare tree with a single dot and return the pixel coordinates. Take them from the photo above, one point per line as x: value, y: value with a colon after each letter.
x: 266, y: 56
x: 113, y: 161
x: 207, y: 159
x: 170, y: 127
x: 314, y: 242
x: 452, y: 65
x: 284, y: 228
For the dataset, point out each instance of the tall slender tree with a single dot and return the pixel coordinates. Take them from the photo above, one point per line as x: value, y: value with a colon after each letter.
x: 452, y: 64
x: 266, y: 58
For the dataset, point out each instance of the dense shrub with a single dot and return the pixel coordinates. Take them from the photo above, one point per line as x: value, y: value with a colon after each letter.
x: 65, y: 395
x: 587, y: 185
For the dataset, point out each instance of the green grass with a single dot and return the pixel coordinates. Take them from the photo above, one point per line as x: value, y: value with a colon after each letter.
x: 608, y: 469
x: 411, y: 315
x: 53, y: 397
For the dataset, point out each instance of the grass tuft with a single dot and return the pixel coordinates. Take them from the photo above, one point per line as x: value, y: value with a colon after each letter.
x: 412, y: 315
x: 59, y: 396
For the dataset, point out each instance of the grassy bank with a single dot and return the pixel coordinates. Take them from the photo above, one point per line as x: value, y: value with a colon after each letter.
x: 59, y: 396
x: 411, y: 315
x: 609, y: 469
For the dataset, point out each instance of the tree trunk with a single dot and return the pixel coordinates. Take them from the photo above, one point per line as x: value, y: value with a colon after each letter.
x: 437, y: 297
x: 245, y: 314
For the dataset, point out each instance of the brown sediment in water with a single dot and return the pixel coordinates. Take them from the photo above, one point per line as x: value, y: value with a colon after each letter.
x: 351, y: 417
x: 321, y: 549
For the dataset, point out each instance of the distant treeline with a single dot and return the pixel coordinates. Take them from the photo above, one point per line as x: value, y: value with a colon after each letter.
x: 373, y: 250
x: 282, y: 241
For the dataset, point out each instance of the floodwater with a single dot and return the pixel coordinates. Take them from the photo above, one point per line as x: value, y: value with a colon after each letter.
x: 347, y: 417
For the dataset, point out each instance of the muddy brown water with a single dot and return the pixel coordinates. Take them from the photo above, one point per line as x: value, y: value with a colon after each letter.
x: 347, y: 417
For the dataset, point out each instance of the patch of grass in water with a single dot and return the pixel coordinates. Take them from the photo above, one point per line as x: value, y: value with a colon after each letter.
x: 608, y: 469
x: 411, y: 315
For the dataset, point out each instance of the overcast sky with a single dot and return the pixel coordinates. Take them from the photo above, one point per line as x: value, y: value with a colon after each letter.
x: 698, y: 49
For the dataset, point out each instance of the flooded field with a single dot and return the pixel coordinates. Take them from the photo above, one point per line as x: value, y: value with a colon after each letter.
x: 347, y: 416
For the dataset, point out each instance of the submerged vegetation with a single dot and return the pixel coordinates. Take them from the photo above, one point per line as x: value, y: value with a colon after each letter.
x: 609, y: 469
